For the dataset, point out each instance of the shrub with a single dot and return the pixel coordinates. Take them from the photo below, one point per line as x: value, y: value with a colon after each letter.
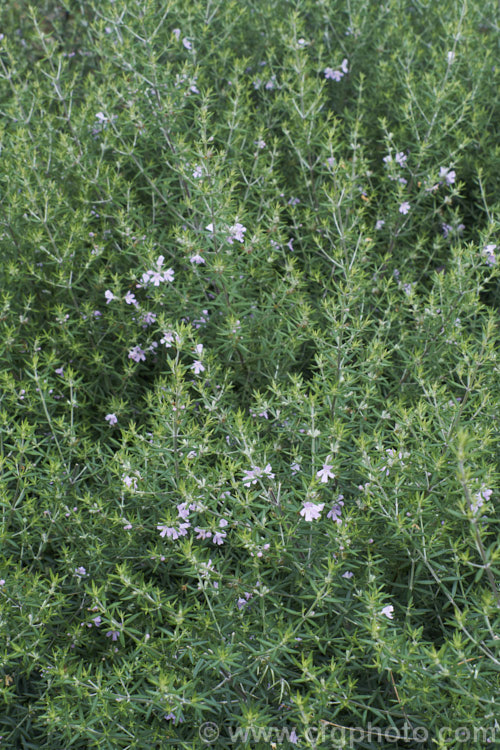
x: 250, y: 348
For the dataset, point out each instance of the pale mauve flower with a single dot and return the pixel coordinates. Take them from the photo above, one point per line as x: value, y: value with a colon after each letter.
x: 218, y: 537
x: 325, y: 473
x: 311, y: 511
x: 448, y: 175
x: 130, y: 299
x: 489, y: 253
x: 197, y: 259
x: 237, y: 232
x: 334, y: 75
x: 197, y: 367
x: 137, y: 354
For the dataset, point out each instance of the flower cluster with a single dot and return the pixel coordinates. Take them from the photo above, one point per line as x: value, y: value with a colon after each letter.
x: 489, y: 254
x: 480, y: 498
x: 337, y: 75
x: 137, y: 354
x: 399, y: 158
x: 257, y: 473
x: 236, y: 232
x: 157, y: 275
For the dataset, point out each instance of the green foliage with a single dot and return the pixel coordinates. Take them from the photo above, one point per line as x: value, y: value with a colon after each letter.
x: 249, y: 403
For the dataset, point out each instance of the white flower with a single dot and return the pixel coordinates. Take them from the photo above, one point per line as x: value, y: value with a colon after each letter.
x: 311, y: 511
x: 388, y: 611
x: 111, y: 418
x: 404, y: 207
x: 109, y: 296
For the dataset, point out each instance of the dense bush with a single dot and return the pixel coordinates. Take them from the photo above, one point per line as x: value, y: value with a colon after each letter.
x: 249, y: 381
